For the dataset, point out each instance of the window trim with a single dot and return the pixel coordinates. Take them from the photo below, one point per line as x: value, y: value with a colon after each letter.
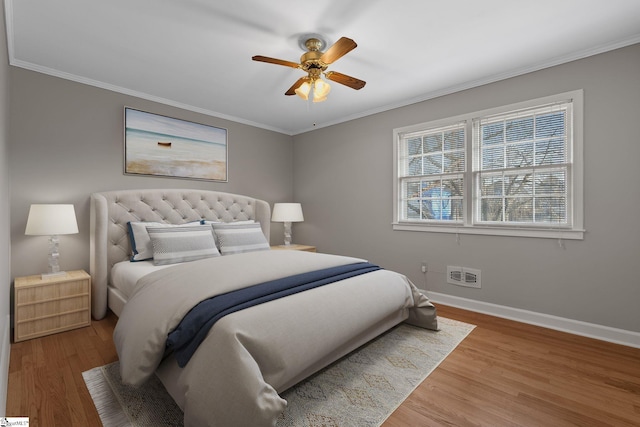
x: 576, y: 192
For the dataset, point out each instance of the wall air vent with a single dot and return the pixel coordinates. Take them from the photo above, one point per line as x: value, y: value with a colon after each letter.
x: 455, y: 275
x: 463, y: 276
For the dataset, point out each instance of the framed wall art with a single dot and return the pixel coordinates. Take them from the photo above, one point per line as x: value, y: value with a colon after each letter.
x: 163, y: 146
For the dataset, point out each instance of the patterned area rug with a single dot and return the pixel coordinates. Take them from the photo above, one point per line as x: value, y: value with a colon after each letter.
x: 360, y: 390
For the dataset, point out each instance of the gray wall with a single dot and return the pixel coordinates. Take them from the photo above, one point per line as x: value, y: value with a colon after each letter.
x: 343, y: 178
x: 67, y: 142
x: 5, y: 240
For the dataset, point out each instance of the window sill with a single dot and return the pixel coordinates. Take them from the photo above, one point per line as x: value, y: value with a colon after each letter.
x: 546, y: 233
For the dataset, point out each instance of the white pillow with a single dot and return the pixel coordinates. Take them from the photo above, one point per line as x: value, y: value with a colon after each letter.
x: 238, y: 237
x: 181, y: 244
x: 139, y: 238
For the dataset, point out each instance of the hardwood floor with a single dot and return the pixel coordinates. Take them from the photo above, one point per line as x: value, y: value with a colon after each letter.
x: 507, y: 373
x: 45, y: 375
x: 503, y: 374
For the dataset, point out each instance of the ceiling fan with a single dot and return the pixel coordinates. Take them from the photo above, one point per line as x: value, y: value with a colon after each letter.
x: 315, y: 62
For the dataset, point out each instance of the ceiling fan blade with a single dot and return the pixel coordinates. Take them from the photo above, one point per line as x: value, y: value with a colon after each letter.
x: 296, y: 85
x: 338, y: 50
x: 261, y: 58
x: 343, y: 79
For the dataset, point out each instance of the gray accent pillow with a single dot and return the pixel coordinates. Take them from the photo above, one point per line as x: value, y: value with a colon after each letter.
x: 215, y: 237
x: 234, y: 238
x: 140, y: 241
x: 181, y: 244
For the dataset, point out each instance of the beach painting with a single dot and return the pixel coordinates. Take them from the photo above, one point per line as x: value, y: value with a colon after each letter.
x: 163, y: 146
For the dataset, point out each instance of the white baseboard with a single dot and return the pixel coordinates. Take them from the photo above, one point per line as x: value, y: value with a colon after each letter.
x: 5, y: 353
x: 591, y: 330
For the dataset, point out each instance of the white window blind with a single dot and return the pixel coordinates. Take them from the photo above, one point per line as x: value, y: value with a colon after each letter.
x: 522, y: 166
x: 432, y: 174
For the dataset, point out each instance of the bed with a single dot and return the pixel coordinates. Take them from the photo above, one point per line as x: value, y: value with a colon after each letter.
x: 249, y: 356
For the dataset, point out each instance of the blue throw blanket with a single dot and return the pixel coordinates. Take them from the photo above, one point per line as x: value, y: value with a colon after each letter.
x: 194, y: 327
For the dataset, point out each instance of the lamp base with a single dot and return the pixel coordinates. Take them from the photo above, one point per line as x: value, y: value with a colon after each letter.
x: 287, y: 233
x: 54, y: 255
x: 53, y: 275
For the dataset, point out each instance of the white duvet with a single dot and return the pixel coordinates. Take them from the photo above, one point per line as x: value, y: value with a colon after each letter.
x: 234, y: 377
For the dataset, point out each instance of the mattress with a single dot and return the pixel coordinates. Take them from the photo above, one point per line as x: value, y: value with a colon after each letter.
x: 125, y: 274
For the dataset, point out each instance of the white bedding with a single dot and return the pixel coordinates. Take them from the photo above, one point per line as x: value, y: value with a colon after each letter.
x: 125, y: 274
x: 251, y: 355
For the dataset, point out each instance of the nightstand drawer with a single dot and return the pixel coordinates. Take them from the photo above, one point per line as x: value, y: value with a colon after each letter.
x: 39, y: 310
x: 48, y: 292
x: 50, y: 305
x: 33, y: 328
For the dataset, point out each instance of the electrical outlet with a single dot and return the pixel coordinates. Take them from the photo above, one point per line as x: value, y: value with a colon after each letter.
x: 424, y: 268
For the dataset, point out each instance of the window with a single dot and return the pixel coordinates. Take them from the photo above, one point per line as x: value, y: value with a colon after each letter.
x: 514, y: 170
x: 433, y: 173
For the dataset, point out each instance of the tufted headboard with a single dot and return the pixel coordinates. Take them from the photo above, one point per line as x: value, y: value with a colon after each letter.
x: 112, y: 210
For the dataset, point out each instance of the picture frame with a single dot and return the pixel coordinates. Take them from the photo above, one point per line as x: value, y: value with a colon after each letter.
x: 157, y: 145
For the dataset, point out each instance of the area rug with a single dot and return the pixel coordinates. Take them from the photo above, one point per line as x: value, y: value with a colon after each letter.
x: 360, y: 390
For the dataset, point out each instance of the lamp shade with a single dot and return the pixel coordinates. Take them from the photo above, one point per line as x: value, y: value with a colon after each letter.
x: 287, y: 212
x: 320, y: 90
x: 303, y: 90
x: 51, y: 220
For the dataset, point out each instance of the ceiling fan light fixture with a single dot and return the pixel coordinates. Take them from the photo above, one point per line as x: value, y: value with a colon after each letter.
x: 303, y: 90
x: 320, y: 89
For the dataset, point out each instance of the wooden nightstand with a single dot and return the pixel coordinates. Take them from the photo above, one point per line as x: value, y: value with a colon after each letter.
x: 50, y: 305
x: 293, y: 247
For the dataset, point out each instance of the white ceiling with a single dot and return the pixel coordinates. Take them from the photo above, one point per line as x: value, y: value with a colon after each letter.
x: 196, y: 54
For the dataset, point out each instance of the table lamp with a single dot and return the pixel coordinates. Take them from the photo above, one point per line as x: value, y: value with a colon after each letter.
x: 287, y: 213
x: 52, y: 220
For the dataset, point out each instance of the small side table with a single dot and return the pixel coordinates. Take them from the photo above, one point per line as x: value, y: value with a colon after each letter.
x: 46, y: 306
x: 293, y: 247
